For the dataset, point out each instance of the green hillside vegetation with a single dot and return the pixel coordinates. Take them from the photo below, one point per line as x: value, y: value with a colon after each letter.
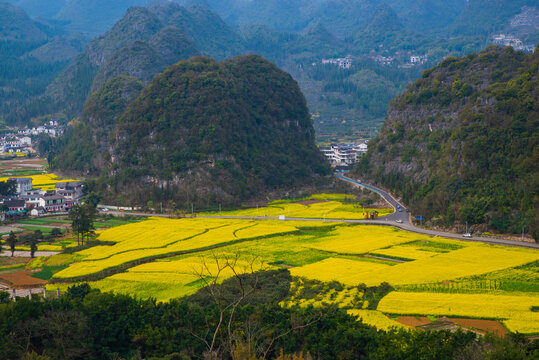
x: 230, y: 130
x: 84, y: 146
x: 461, y: 144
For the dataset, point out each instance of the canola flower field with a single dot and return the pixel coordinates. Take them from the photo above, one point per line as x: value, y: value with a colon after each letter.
x: 45, y: 182
x: 321, y: 206
x: 168, y: 258
x: 513, y: 310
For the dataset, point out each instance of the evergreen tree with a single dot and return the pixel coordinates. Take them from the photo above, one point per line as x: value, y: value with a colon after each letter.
x: 12, y: 241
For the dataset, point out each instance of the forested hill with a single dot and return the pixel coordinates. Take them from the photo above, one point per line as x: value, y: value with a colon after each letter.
x: 202, y: 132
x: 461, y: 144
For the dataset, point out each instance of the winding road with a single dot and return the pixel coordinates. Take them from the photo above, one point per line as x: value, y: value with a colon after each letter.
x: 408, y: 226
x: 399, y: 219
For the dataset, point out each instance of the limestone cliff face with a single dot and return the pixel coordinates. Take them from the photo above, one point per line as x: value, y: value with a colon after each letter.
x: 461, y: 143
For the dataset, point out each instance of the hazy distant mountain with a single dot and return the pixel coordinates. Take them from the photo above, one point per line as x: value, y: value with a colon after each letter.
x: 143, y: 43
x: 15, y: 24
x: 485, y: 17
x: 32, y: 54
x: 340, y: 17
x: 41, y: 8
x: 92, y: 17
x: 427, y: 15
x: 385, y: 31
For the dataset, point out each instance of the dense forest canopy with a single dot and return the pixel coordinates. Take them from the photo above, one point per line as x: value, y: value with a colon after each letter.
x: 86, y: 323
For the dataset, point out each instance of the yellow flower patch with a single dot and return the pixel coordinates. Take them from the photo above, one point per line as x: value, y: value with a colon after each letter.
x: 515, y: 310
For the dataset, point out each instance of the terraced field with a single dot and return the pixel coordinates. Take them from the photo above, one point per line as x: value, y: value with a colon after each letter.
x: 168, y: 258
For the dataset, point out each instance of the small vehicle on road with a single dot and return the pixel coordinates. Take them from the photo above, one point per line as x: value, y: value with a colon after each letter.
x: 467, y: 235
x: 399, y: 221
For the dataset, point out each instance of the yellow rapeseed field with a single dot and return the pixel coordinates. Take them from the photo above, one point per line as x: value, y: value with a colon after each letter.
x: 349, y: 272
x: 320, y: 210
x: 325, y: 196
x: 165, y: 236
x: 44, y: 182
x: 364, y: 239
x: 377, y: 319
x: 164, y: 280
x: 320, y: 251
x: 344, y: 297
x: 446, y: 266
x: 406, y: 252
x: 464, y: 262
x: 515, y: 310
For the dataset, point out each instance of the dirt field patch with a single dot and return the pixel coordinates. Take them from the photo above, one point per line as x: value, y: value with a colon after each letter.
x: 491, y: 326
x: 483, y: 326
x: 22, y: 164
x: 21, y: 280
x: 413, y: 320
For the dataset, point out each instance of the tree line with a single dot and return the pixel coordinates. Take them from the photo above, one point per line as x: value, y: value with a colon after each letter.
x: 238, y: 319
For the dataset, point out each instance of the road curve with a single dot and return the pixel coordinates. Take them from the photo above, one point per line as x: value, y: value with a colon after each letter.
x: 388, y: 220
x: 408, y: 226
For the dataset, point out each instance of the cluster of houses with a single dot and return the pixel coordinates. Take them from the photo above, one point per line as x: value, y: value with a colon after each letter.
x: 384, y: 60
x: 515, y: 43
x: 13, y: 144
x: 344, y: 155
x: 19, y: 141
x: 418, y: 59
x: 29, y: 200
x: 341, y: 63
x: 51, y: 128
x: 390, y: 60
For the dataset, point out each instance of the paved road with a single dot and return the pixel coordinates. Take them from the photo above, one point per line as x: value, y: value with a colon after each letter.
x: 408, y: 226
x: 388, y: 220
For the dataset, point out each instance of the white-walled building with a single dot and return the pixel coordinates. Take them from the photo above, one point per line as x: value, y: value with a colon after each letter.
x: 344, y: 154
x: 24, y: 185
x: 342, y: 63
x: 418, y: 60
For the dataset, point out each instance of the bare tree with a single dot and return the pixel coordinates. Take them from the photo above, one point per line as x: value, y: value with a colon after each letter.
x: 211, y: 276
x: 252, y: 340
